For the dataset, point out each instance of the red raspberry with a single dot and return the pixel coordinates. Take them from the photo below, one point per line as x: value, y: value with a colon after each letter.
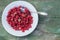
x: 19, y: 20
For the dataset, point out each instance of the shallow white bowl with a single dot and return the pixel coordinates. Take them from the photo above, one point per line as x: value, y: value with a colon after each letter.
x: 8, y: 27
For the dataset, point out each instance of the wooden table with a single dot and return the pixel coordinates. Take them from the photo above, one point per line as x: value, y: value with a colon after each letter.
x: 46, y: 30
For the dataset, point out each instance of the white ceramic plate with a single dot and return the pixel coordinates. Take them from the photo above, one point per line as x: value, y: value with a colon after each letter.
x: 8, y: 27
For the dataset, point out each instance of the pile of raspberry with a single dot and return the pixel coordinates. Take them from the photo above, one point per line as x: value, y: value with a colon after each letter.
x: 19, y: 20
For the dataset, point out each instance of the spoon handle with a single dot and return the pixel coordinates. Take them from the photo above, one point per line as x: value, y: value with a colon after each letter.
x: 41, y: 13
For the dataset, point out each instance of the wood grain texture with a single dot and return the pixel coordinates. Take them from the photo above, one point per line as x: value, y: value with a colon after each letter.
x: 52, y: 7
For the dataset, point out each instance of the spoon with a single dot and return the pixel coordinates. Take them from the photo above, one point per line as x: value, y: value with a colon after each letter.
x: 40, y: 13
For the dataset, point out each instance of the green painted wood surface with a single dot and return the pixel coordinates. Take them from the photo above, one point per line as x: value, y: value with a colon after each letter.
x: 45, y: 28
